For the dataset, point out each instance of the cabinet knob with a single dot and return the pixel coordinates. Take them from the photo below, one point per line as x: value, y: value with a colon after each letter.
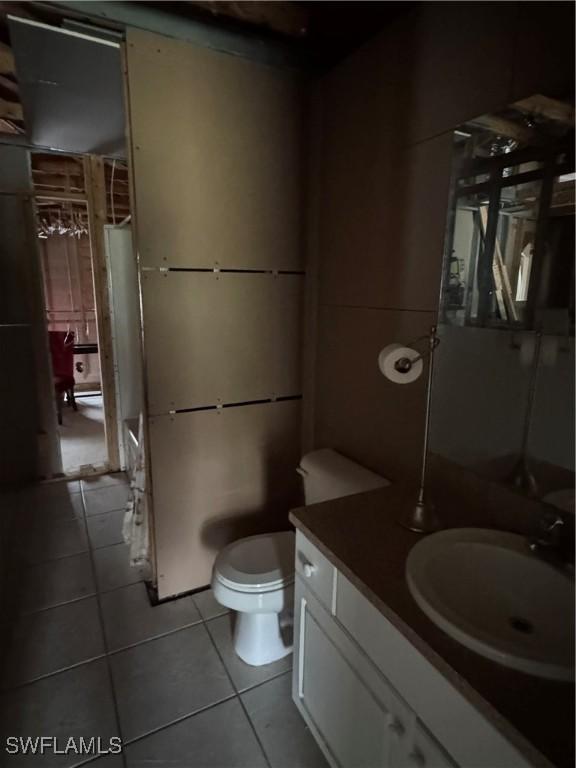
x: 416, y: 759
x: 309, y: 569
x: 396, y: 728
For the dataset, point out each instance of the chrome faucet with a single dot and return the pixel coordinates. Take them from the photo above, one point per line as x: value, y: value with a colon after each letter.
x: 547, y: 541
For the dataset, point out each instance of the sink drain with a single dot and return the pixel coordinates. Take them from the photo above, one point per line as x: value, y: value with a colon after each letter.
x: 522, y: 625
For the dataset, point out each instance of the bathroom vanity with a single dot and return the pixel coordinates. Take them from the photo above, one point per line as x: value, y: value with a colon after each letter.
x: 378, y: 683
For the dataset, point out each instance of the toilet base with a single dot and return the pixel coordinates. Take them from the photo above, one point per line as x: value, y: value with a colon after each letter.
x: 261, y: 638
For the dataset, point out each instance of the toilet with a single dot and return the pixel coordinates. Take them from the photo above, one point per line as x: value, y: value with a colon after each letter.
x: 254, y: 576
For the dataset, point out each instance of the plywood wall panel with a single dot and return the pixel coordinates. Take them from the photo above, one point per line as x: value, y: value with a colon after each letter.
x: 225, y: 338
x: 217, y: 138
x: 218, y: 476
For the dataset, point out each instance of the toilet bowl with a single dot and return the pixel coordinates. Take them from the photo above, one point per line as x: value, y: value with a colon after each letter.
x: 255, y: 576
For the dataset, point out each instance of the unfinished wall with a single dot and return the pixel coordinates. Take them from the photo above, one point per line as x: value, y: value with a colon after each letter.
x: 126, y: 329
x: 384, y: 138
x: 216, y: 146
x: 69, y: 295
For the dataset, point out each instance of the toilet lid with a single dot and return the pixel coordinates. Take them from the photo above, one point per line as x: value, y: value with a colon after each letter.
x: 257, y: 562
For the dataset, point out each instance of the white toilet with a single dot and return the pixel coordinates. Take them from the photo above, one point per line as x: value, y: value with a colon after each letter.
x: 255, y: 576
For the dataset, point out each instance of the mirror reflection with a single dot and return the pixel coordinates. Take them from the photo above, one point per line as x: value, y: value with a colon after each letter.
x: 503, y: 387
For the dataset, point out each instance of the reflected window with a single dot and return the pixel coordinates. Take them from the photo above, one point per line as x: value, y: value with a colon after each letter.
x: 510, y: 236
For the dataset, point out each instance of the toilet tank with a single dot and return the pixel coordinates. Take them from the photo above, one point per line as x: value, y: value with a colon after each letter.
x: 329, y: 475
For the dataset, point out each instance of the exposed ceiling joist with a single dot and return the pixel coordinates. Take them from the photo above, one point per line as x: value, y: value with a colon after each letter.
x: 11, y: 110
x: 505, y: 127
x: 6, y: 126
x: 543, y: 106
x: 7, y: 65
x: 8, y: 86
x: 288, y: 18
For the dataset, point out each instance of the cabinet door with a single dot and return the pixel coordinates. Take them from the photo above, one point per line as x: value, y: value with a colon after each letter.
x: 426, y: 752
x: 349, y: 718
x: 342, y: 696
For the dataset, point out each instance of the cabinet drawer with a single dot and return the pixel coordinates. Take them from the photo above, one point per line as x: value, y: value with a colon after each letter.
x: 316, y: 571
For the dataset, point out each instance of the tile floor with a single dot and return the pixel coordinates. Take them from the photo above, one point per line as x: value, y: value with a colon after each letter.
x: 89, y: 656
x: 82, y: 436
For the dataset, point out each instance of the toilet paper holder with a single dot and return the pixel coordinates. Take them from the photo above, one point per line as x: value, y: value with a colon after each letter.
x: 421, y: 518
x: 405, y: 364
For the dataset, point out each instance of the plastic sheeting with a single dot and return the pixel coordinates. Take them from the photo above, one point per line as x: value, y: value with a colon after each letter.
x: 136, y: 527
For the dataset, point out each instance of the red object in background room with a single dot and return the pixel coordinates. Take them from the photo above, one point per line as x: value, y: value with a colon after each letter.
x: 62, y: 353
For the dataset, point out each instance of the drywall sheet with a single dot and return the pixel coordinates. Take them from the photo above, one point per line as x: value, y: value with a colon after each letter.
x: 218, y: 476
x: 125, y: 323
x: 71, y: 89
x: 220, y: 338
x: 217, y: 157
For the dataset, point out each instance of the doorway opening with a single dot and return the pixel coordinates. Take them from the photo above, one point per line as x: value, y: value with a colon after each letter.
x: 78, y: 336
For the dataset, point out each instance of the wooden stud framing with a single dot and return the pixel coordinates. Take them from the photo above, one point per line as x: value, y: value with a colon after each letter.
x: 11, y: 110
x: 96, y: 196
x: 7, y: 65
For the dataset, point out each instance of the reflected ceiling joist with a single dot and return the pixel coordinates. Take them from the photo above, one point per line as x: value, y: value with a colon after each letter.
x: 71, y: 89
x: 543, y: 106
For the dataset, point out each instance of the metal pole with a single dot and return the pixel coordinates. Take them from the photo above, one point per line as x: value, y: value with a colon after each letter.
x: 422, y: 518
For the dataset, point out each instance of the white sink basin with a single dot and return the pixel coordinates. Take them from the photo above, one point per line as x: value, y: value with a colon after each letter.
x: 490, y: 592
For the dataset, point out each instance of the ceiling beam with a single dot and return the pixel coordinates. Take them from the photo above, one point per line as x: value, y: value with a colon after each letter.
x: 11, y: 110
x: 8, y: 86
x: 543, y: 106
x: 288, y: 18
x: 7, y: 63
x: 8, y: 127
x: 504, y: 127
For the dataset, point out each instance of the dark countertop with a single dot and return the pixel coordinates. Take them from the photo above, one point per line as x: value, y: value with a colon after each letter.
x: 360, y: 537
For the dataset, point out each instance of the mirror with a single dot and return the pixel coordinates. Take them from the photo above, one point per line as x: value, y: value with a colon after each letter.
x: 503, y: 385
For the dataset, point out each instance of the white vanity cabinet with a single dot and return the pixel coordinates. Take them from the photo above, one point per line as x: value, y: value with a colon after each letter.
x: 370, y: 698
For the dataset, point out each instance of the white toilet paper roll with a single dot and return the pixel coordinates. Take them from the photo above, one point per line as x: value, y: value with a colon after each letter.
x: 391, y: 355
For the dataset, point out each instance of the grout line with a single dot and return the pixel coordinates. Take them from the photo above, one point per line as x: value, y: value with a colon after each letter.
x: 120, y: 586
x: 24, y: 683
x: 56, y: 605
x: 238, y: 696
x: 263, y: 682
x: 105, y: 546
x: 151, y: 639
x: 180, y: 719
x: 103, y: 631
x: 255, y: 732
x: 24, y: 566
x: 105, y: 512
